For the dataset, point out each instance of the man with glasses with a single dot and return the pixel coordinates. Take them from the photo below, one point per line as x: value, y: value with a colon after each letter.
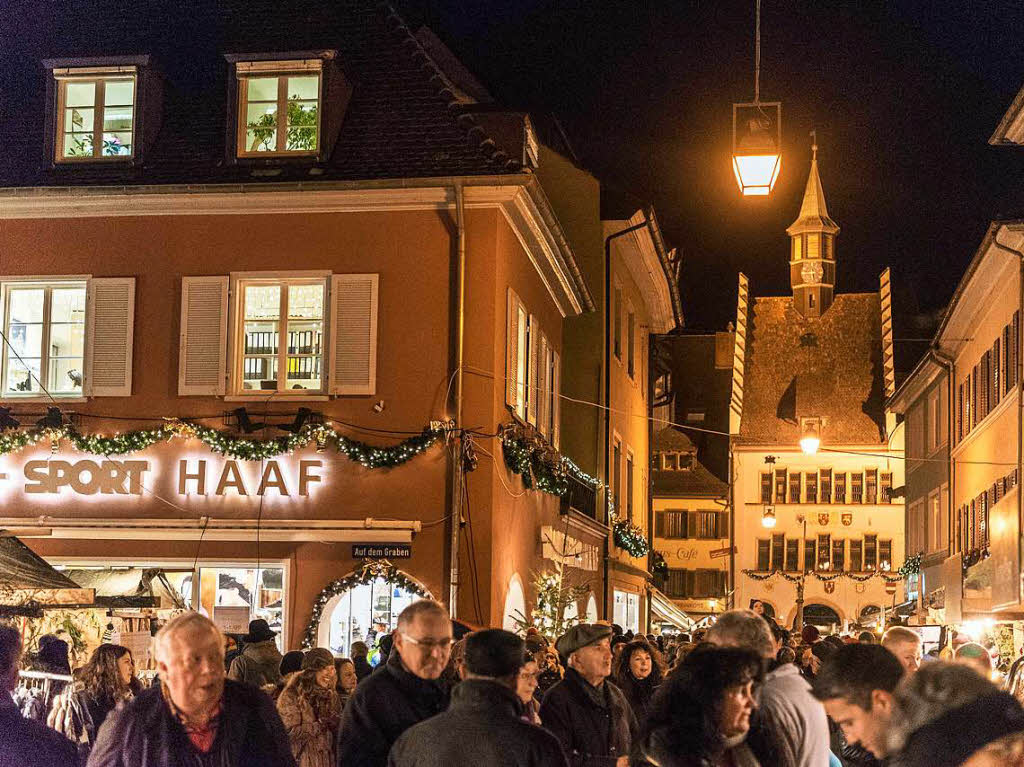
x: 483, y: 725
x: 406, y: 691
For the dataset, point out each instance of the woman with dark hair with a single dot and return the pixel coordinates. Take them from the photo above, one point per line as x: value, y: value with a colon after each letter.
x: 100, y: 685
x: 348, y: 678
x: 638, y: 673
x: 701, y: 715
x: 311, y: 711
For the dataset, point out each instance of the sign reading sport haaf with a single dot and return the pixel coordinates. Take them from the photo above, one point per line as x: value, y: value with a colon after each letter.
x: 193, y: 477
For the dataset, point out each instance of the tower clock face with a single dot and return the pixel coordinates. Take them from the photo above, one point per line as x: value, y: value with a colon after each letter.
x: 812, y: 272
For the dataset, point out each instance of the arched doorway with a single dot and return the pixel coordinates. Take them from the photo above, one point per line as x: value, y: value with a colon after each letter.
x: 591, y: 609
x: 822, y: 616
x: 515, y: 604
x: 362, y: 607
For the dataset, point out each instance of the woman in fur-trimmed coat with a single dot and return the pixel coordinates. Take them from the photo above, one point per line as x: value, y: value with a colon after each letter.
x: 311, y: 711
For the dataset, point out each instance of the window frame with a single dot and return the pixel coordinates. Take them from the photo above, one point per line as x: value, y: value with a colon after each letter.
x: 283, y: 69
x: 236, y: 339
x: 630, y: 341
x: 47, y: 284
x: 99, y: 76
x: 630, y: 482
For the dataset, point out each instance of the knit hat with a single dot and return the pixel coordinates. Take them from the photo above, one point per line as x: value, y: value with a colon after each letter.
x: 317, y: 658
x: 580, y: 636
x: 950, y: 739
x: 292, y: 661
x: 810, y: 634
x: 493, y: 653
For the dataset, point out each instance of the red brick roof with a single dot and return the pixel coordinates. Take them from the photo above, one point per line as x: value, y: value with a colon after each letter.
x: 829, y: 367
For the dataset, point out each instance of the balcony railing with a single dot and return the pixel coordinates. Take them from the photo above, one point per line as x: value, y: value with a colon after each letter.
x: 581, y: 497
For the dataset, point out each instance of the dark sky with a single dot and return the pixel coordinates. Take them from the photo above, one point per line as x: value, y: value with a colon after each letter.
x: 904, y: 96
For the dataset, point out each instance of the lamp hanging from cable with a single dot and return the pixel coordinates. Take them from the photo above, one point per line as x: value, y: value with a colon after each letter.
x: 757, y: 133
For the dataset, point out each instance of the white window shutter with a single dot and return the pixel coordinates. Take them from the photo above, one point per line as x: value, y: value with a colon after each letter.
x: 511, y: 348
x: 556, y: 399
x: 543, y: 366
x: 110, y: 306
x: 353, y: 360
x: 202, y: 349
x: 533, y: 377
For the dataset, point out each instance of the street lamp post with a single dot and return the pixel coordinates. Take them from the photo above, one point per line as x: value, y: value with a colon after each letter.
x: 798, y: 620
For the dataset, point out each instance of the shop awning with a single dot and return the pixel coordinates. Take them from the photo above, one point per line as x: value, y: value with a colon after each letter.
x: 27, y: 579
x: 210, y: 529
x: 666, y: 609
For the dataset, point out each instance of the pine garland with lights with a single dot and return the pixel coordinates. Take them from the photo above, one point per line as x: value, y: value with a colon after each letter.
x: 533, y: 459
x: 370, y: 571
x: 795, y: 577
x: 629, y: 537
x: 911, y: 566
x: 227, y: 444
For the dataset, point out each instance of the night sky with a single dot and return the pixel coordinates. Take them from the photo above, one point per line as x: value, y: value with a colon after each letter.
x: 903, y: 95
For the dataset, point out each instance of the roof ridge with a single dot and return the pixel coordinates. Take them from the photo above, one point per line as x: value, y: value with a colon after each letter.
x: 447, y: 90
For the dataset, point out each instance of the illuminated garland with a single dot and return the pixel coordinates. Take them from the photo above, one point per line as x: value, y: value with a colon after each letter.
x: 910, y: 566
x: 224, y: 443
x: 629, y: 537
x: 371, y: 570
x: 533, y: 459
x: 795, y: 578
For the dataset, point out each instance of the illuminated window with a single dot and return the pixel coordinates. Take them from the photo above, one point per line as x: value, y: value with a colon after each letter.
x: 281, y: 339
x: 45, y: 329
x: 95, y: 114
x: 278, y: 108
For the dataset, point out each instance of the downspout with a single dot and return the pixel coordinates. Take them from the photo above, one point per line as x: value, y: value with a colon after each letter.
x: 456, y: 516
x: 608, y: 340
x: 1020, y: 381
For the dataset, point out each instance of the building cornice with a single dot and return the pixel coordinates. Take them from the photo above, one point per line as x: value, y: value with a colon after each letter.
x: 1011, y: 128
x: 518, y: 197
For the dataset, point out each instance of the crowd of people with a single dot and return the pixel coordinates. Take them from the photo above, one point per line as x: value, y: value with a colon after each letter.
x: 744, y: 693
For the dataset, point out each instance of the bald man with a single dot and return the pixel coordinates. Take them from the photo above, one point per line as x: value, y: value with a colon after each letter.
x: 195, y: 715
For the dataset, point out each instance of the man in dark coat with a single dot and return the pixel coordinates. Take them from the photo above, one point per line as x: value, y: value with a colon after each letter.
x: 403, y: 692
x: 194, y: 716
x: 259, y: 664
x: 358, y: 653
x: 588, y: 714
x: 24, y: 742
x: 482, y: 726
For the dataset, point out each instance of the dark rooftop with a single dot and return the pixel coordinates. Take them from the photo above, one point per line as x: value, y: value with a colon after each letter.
x: 695, y: 482
x: 405, y: 118
x: 829, y: 368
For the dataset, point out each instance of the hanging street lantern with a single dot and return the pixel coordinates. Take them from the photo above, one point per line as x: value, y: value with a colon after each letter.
x: 757, y: 133
x: 810, y: 435
x: 768, y: 517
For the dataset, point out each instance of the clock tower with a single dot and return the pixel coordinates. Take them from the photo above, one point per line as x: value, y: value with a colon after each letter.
x: 812, y: 255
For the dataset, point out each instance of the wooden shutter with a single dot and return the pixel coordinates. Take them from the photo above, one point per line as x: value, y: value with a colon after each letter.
x: 111, y: 311
x: 533, y: 382
x: 542, y: 384
x: 691, y: 524
x: 659, y: 524
x: 203, y: 338
x: 353, y: 360
x: 511, y: 348
x: 556, y: 399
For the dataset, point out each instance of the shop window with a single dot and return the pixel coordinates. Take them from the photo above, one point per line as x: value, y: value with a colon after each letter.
x: 95, y: 114
x: 278, y: 108
x: 225, y: 592
x: 365, y: 613
x: 627, y: 610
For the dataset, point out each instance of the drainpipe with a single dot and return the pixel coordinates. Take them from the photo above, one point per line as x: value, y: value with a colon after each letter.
x: 1020, y: 379
x: 455, y: 521
x: 608, y: 340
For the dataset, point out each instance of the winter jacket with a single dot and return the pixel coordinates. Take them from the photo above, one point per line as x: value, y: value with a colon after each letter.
x: 655, y: 751
x: 71, y: 716
x: 363, y: 667
x: 639, y: 693
x: 595, y: 724
x: 259, y: 665
x: 795, y: 716
x: 144, y: 733
x: 481, y: 727
x: 312, y: 725
x: 384, y: 705
x: 26, y: 743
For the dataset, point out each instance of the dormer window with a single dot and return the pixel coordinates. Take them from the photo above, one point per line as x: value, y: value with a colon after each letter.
x: 671, y: 461
x: 95, y: 113
x: 279, y: 107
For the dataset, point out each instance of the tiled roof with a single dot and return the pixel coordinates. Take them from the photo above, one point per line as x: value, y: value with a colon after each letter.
x: 401, y: 120
x: 695, y: 482
x: 672, y: 439
x: 829, y: 367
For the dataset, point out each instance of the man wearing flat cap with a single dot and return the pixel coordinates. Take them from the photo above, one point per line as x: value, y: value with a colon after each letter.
x: 585, y: 711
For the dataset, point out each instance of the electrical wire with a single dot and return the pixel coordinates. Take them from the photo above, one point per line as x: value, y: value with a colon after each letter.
x: 498, y: 474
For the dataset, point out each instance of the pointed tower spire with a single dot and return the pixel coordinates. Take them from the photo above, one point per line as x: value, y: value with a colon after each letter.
x: 812, y: 264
